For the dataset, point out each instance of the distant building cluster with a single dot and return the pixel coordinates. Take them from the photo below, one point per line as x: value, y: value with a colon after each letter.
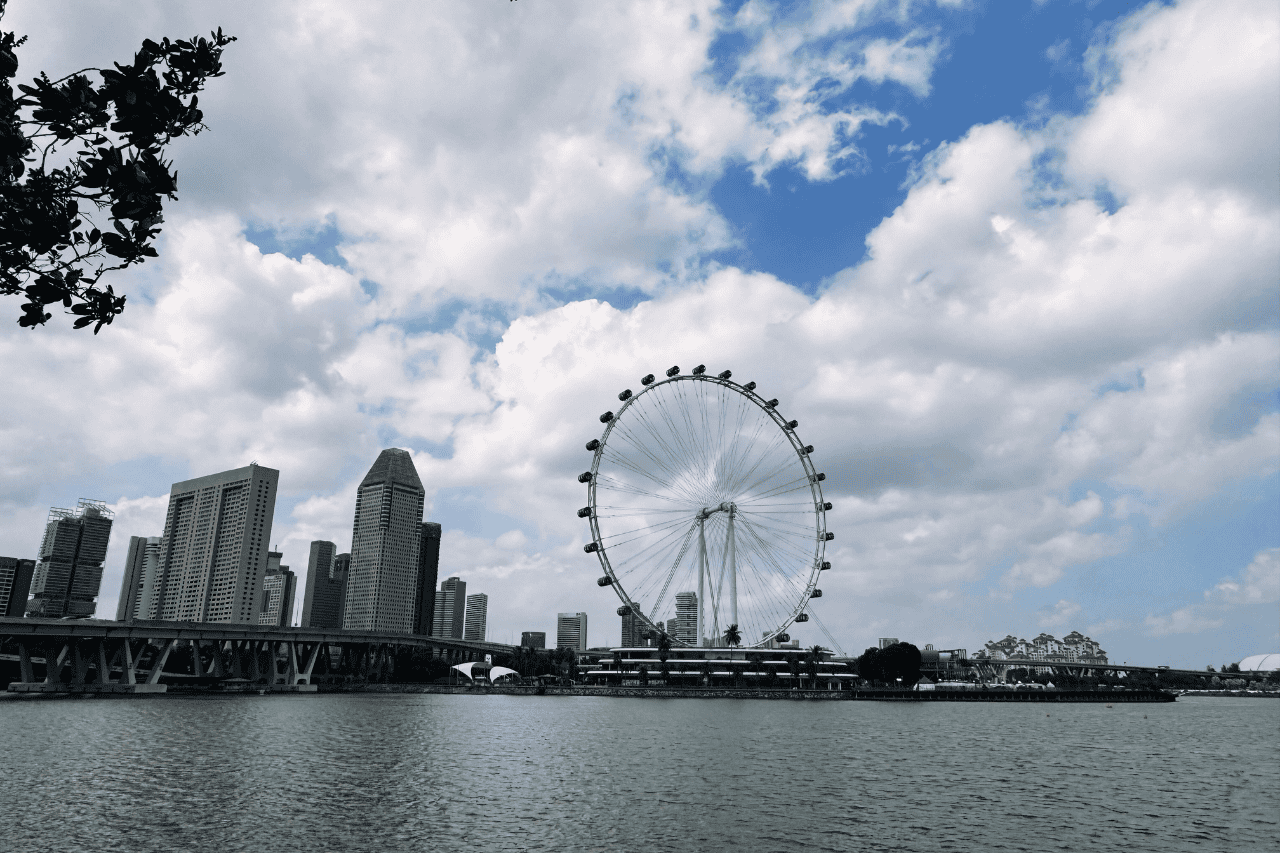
x: 213, y: 562
x: 1073, y: 648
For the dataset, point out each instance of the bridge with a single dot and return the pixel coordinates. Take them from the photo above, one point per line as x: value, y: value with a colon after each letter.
x: 997, y: 668
x: 101, y: 656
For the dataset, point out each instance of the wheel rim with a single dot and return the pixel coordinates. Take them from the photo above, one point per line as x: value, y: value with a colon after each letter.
x: 691, y: 446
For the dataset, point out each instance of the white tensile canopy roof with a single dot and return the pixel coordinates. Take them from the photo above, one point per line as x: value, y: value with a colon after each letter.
x: 465, y: 668
x: 494, y: 674
x: 1260, y: 663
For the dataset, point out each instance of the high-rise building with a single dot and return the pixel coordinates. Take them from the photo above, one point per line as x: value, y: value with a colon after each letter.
x: 424, y: 603
x: 141, y: 569
x: 279, y: 587
x: 571, y: 631
x: 385, y: 536
x: 686, y: 618
x: 635, y: 632
x: 671, y: 628
x: 533, y: 639
x: 68, y: 570
x: 326, y: 589
x: 213, y: 554
x: 886, y: 642
x: 15, y: 585
x: 477, y: 617
x: 449, y: 609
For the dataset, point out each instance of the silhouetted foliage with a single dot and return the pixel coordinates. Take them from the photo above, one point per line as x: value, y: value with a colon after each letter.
x: 887, y: 665
x: 812, y: 657
x: 732, y: 636
x: 51, y: 249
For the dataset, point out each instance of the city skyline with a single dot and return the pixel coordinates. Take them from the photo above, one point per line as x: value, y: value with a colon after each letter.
x: 1011, y: 269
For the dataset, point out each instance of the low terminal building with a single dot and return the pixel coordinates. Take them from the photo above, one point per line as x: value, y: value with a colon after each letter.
x: 716, y: 667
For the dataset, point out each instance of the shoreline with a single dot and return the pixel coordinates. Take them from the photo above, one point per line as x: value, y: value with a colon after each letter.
x: 884, y: 695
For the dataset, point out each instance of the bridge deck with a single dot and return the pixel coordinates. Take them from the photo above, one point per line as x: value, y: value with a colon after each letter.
x: 103, y: 629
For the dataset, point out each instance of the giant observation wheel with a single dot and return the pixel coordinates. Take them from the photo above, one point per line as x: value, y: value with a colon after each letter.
x: 706, y: 511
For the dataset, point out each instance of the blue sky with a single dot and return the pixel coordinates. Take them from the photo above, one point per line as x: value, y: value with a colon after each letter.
x: 1012, y: 264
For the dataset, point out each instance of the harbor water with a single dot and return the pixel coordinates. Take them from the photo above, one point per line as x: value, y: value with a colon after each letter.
x: 421, y: 772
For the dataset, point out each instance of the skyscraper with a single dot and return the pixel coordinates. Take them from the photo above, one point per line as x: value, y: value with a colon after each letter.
x: 686, y: 618
x: 141, y: 568
x: 279, y: 587
x: 15, y: 585
x: 571, y: 631
x: 385, y: 537
x: 326, y: 586
x: 449, y: 612
x: 424, y: 604
x: 477, y: 617
x: 68, y: 570
x: 214, y: 550
x: 634, y: 630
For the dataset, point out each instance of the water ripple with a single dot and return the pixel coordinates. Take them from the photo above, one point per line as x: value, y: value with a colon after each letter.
x: 440, y: 773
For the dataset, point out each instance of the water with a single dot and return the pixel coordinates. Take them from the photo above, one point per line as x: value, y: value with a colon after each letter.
x: 430, y: 773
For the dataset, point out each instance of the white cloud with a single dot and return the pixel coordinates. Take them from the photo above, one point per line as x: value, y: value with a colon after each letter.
x: 1185, y: 620
x: 1258, y: 584
x: 1060, y: 615
x: 1008, y: 347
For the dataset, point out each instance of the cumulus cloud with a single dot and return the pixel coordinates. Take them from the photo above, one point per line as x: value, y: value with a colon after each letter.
x: 1059, y: 615
x: 1185, y: 620
x: 1014, y: 378
x: 1258, y: 583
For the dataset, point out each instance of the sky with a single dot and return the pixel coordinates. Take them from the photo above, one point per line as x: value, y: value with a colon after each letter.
x: 1013, y: 267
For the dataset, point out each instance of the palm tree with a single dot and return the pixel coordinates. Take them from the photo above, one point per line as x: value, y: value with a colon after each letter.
x: 815, y: 655
x: 732, y: 636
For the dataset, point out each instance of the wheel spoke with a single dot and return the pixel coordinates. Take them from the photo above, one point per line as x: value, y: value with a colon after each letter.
x: 695, y: 443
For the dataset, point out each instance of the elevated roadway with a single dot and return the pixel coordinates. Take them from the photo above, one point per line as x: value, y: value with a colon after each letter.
x: 1077, y: 668
x: 98, y: 655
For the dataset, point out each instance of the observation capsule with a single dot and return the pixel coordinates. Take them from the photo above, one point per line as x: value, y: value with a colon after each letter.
x: 829, y: 536
x: 585, y: 512
x: 803, y: 617
x: 699, y: 370
x: 605, y: 581
x: 808, y: 448
x: 625, y: 395
x: 817, y: 593
x: 591, y: 547
x: 772, y: 404
x: 792, y: 424
x: 725, y: 375
x: 624, y: 610
x: 584, y: 477
x: 750, y: 386
x: 783, y: 638
x: 819, y: 477
x: 648, y: 379
x: 825, y: 565
x: 673, y: 370
x: 606, y: 417
x: 826, y: 505
x: 593, y: 444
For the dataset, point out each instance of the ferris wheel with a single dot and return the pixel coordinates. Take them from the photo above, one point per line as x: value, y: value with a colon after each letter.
x: 706, y: 511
